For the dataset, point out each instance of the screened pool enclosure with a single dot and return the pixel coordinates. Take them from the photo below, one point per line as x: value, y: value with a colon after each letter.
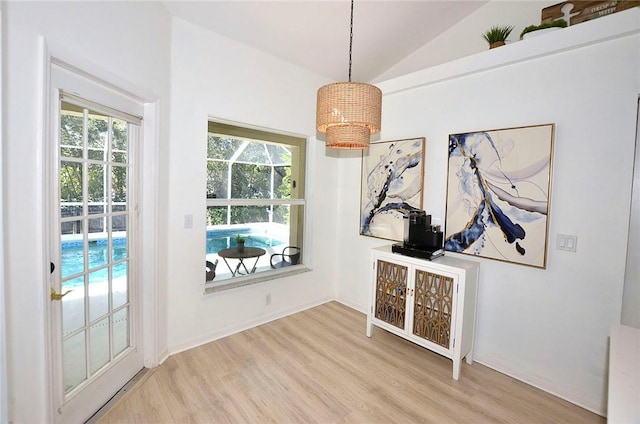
x: 255, y: 191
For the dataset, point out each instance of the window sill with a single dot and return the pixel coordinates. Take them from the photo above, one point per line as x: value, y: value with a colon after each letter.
x: 247, y: 280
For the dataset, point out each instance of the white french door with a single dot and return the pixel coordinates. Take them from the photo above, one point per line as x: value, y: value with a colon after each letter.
x: 94, y: 286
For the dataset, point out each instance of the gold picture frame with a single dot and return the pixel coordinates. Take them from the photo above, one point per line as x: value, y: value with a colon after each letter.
x: 498, y: 194
x: 392, y: 182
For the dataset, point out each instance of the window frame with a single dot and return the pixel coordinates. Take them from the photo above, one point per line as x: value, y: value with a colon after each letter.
x: 297, y: 198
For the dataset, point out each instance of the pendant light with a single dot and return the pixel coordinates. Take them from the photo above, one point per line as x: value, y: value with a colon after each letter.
x: 349, y: 112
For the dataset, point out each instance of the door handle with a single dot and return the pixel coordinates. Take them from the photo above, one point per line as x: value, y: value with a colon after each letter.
x: 58, y: 296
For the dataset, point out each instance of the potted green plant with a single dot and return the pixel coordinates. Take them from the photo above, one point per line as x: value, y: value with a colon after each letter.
x: 497, y: 35
x: 240, y: 243
x: 560, y: 23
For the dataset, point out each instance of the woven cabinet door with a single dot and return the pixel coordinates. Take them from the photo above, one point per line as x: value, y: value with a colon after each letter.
x: 433, y: 307
x: 391, y: 293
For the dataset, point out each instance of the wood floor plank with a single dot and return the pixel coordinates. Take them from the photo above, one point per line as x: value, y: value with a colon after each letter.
x: 317, y: 366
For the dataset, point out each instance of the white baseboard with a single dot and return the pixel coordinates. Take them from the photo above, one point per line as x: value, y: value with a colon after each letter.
x: 228, y: 331
x: 539, y: 383
x: 359, y: 308
x: 163, y: 357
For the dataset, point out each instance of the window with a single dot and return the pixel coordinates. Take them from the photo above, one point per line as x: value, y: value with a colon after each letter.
x: 255, y: 194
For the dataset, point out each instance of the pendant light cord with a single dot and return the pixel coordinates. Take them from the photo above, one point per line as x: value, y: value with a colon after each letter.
x: 350, y: 40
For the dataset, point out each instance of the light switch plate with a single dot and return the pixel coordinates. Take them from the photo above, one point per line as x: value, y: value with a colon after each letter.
x: 567, y: 242
x: 188, y: 221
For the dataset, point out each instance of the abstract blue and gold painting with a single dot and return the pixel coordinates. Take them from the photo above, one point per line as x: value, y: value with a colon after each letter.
x: 391, y: 185
x: 498, y: 191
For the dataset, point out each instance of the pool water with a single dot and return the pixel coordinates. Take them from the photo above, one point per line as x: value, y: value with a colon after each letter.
x: 72, y: 261
x: 218, y: 240
x: 72, y: 258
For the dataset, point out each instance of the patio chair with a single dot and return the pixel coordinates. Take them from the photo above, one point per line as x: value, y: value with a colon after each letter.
x: 210, y: 269
x: 290, y: 256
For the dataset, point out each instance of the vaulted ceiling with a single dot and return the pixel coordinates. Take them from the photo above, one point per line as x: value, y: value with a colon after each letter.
x: 315, y: 34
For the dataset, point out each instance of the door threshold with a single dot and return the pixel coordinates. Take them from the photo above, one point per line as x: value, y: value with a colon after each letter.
x: 140, y: 377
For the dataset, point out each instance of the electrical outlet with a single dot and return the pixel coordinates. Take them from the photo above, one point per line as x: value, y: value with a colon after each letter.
x: 267, y: 299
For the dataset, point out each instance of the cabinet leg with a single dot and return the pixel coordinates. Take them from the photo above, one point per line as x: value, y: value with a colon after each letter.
x: 369, y: 331
x: 457, y: 364
x: 469, y: 358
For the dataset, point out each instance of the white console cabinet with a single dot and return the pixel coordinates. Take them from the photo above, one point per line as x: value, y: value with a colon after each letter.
x: 431, y: 303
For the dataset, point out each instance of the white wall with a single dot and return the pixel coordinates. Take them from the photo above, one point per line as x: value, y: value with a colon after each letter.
x: 213, y: 76
x: 465, y: 38
x: 548, y: 327
x: 631, y: 293
x: 124, y: 43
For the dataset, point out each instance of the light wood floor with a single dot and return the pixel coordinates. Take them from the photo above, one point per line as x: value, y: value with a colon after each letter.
x: 318, y: 366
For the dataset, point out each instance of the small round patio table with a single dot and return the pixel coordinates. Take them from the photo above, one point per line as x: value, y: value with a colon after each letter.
x: 247, y: 253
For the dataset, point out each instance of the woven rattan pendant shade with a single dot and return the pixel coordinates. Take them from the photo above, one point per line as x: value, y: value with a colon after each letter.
x: 349, y: 113
x: 347, y: 137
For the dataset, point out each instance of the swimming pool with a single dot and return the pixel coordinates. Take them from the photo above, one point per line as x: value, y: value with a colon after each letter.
x: 72, y: 261
x: 223, y: 239
x: 72, y: 257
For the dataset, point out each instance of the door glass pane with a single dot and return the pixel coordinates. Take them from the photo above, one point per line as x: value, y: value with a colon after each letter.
x: 120, y: 284
x: 74, y: 361
x: 98, y: 253
x: 119, y: 228
x: 97, y: 130
x: 73, y: 305
x: 119, y: 157
x: 97, y: 225
x: 118, y: 185
x: 72, y: 227
x: 71, y: 152
x: 70, y: 182
x: 68, y: 210
x: 120, y: 331
x: 120, y: 139
x: 96, y: 208
x: 72, y: 258
x: 71, y: 131
x: 96, y: 188
x: 99, y: 344
x: 98, y: 294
